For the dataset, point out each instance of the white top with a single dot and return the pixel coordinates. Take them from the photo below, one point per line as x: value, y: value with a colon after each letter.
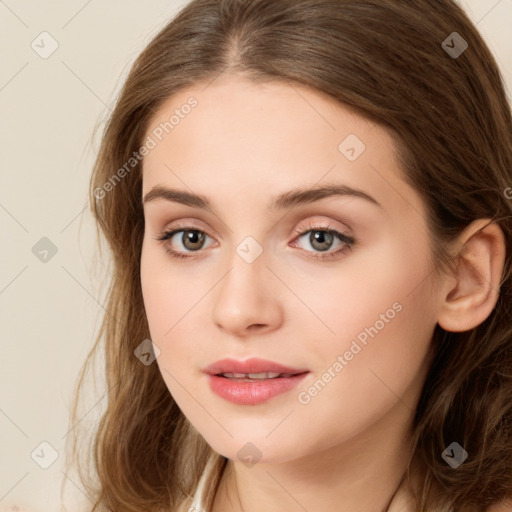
x: 198, y: 504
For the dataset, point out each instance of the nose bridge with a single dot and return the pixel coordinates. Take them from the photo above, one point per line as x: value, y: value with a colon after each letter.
x: 246, y: 280
x: 245, y: 296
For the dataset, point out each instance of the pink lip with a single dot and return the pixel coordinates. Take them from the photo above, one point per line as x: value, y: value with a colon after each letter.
x: 253, y: 365
x: 244, y: 392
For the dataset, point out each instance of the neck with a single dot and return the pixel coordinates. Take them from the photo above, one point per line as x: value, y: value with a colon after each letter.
x: 363, y: 473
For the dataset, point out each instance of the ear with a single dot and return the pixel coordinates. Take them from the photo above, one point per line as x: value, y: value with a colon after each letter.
x: 471, y: 293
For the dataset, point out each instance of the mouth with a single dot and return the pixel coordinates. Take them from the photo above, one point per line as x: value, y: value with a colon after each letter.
x: 256, y: 377
x: 253, y: 368
x: 253, y: 381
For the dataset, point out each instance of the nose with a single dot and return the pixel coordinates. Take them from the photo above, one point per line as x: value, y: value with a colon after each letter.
x: 248, y: 299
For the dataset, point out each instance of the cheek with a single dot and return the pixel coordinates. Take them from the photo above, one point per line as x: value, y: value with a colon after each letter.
x: 372, y: 288
x: 166, y: 303
x: 172, y: 297
x: 167, y: 294
x: 368, y: 372
x: 382, y: 313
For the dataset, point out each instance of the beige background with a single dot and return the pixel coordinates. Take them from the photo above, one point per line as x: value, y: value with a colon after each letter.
x: 50, y: 310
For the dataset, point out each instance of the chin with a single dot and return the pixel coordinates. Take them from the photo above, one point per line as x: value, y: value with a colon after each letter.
x: 256, y: 446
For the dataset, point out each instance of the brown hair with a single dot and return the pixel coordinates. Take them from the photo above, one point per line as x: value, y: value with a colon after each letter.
x: 452, y: 124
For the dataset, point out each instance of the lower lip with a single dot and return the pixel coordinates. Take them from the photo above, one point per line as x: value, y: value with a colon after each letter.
x: 252, y: 393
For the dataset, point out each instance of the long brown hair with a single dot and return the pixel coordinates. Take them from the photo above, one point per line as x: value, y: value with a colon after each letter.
x: 451, y: 120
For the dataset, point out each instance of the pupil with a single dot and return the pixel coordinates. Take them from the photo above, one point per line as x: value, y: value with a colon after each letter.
x: 321, y: 237
x: 194, y: 238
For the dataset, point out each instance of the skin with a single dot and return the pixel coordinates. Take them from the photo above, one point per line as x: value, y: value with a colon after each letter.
x: 346, y: 449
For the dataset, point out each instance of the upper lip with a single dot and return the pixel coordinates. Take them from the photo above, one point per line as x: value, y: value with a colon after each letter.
x: 253, y: 365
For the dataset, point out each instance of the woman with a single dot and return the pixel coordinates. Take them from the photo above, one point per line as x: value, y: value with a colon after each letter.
x: 308, y: 208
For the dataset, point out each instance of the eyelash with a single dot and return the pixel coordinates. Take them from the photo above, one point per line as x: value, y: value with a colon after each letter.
x: 349, y: 241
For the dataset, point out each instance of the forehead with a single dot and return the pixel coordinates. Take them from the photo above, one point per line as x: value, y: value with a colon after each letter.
x: 237, y: 138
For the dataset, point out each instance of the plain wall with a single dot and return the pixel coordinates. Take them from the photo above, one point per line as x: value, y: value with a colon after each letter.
x: 50, y: 309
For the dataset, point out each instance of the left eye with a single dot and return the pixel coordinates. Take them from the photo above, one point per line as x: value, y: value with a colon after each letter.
x: 322, y: 239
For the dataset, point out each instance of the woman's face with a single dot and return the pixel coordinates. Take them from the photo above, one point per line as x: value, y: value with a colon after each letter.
x: 350, y: 312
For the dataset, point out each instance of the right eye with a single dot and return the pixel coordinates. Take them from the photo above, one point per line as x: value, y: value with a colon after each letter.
x: 191, y: 240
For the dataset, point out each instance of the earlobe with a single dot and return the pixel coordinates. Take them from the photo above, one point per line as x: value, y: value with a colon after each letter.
x: 478, y: 273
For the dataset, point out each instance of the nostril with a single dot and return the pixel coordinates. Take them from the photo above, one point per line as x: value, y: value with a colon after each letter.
x: 256, y: 326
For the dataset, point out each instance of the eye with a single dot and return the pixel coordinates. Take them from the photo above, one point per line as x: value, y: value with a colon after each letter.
x: 321, y: 238
x: 191, y: 240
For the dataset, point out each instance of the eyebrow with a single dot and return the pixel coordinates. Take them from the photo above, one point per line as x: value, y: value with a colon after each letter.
x: 290, y: 199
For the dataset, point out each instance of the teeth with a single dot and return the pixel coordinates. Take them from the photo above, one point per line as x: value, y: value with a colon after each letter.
x: 262, y: 376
